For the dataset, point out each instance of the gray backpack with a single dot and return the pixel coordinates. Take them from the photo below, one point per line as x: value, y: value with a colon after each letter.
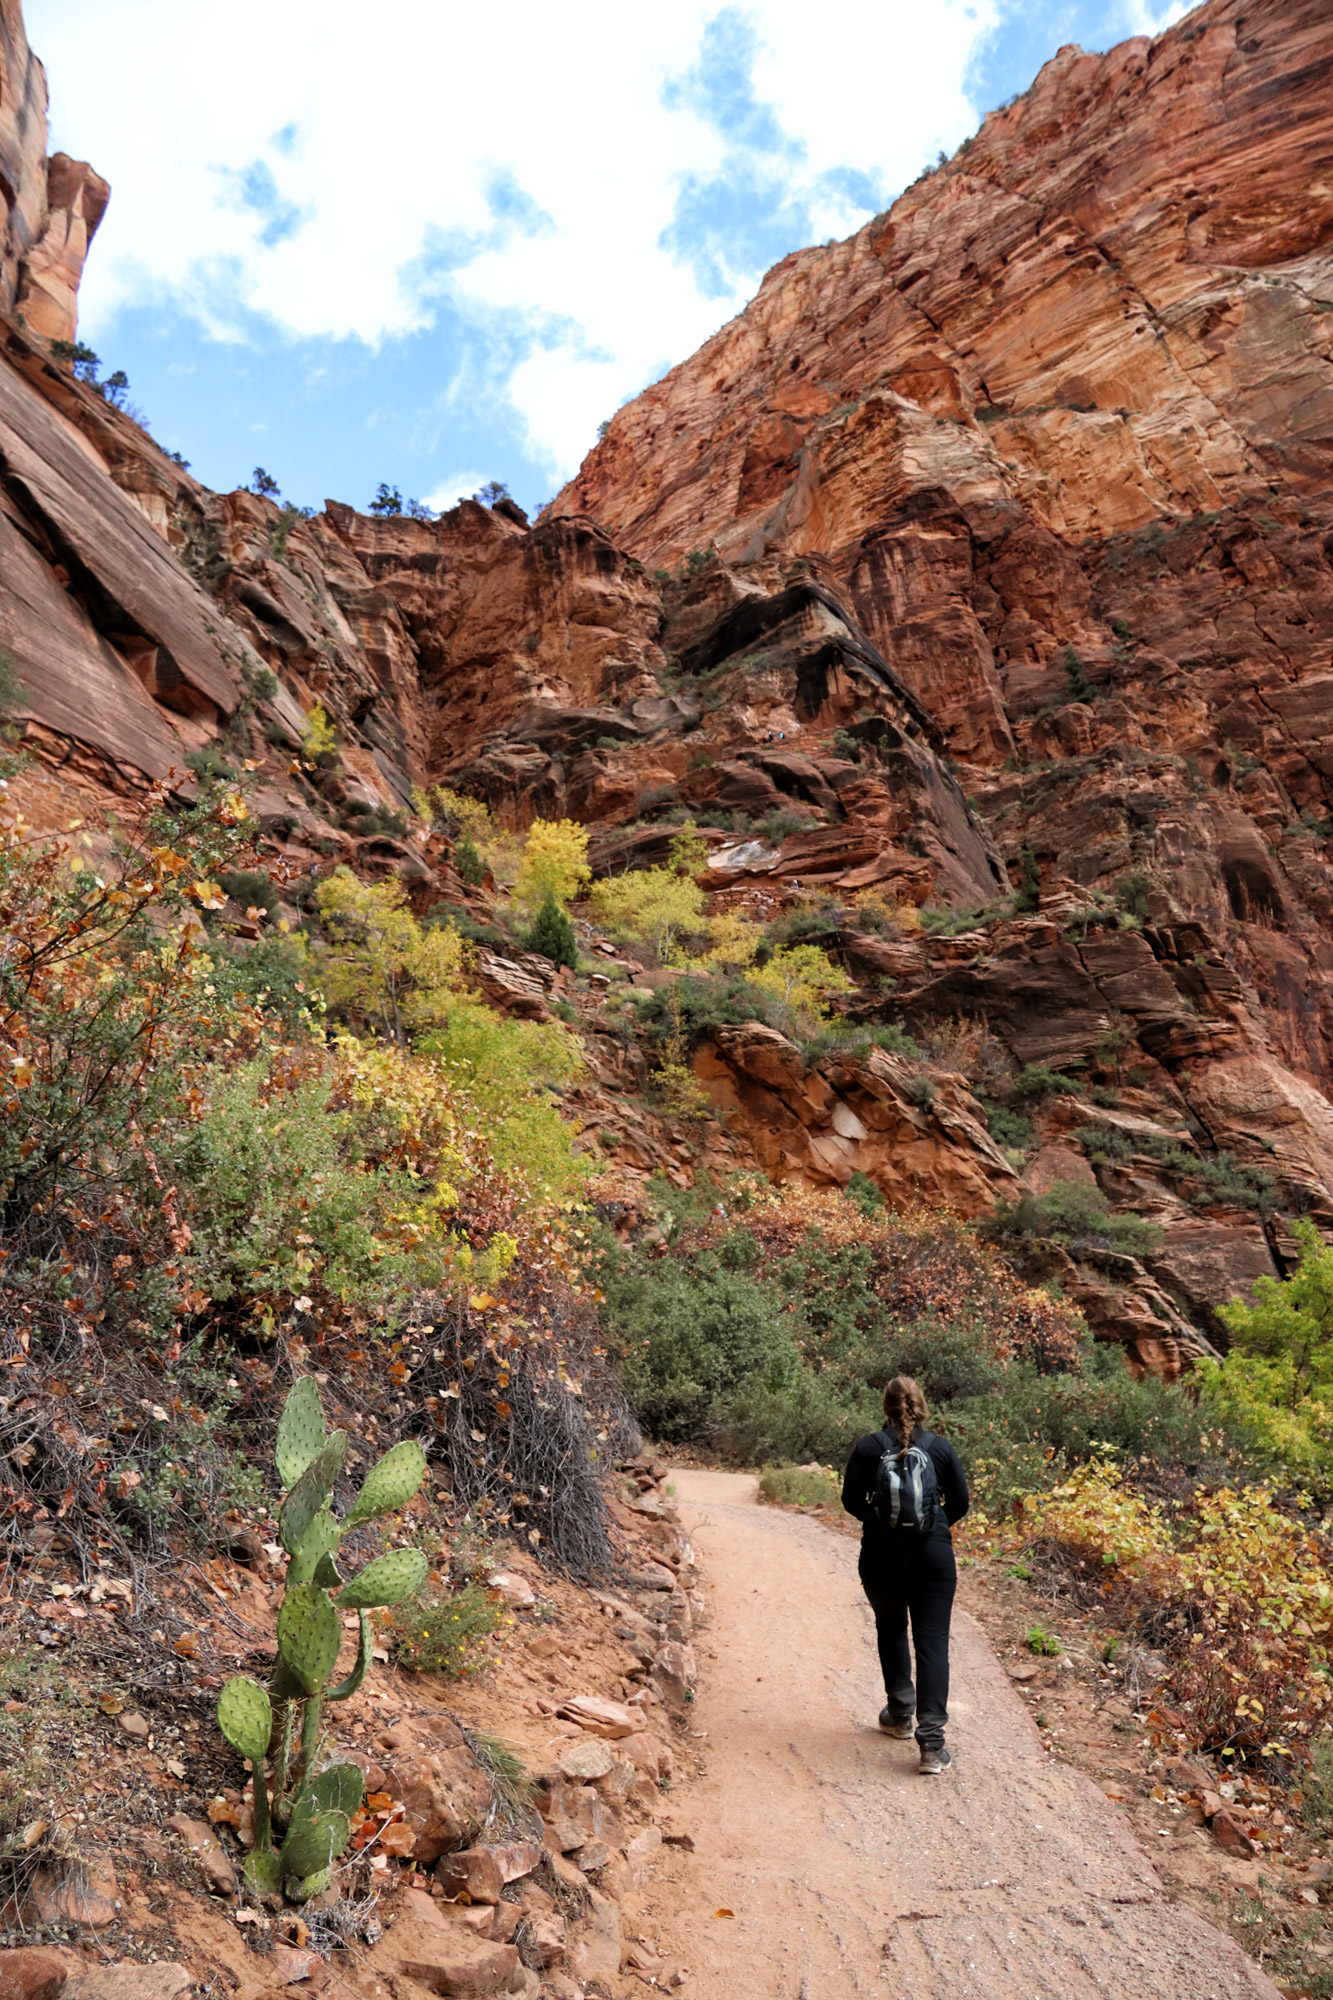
x: 907, y: 1490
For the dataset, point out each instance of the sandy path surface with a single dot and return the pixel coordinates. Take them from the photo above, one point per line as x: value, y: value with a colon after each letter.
x: 848, y: 1872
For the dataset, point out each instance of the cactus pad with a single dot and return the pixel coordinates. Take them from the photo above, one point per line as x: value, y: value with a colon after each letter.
x: 310, y: 1494
x: 308, y: 1636
x: 387, y: 1580
x: 300, y: 1431
x: 262, y: 1871
x: 346, y: 1689
x: 245, y: 1718
x: 318, y: 1543
x: 314, y: 1842
x: 302, y: 1889
x: 339, y: 1789
x: 390, y: 1484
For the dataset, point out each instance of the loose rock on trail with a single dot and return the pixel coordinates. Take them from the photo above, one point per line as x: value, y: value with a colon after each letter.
x: 843, y: 1870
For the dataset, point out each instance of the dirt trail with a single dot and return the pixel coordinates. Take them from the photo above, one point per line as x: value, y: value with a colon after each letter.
x: 848, y: 1872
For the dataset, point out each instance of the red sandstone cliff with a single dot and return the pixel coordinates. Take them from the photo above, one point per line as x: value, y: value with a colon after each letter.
x: 1021, y: 571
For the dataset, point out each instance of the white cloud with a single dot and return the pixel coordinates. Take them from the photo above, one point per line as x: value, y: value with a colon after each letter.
x: 458, y: 486
x: 298, y: 161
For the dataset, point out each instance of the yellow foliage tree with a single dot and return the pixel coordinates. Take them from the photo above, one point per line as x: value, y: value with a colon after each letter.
x: 508, y: 1071
x: 804, y: 978
x: 652, y: 905
x: 554, y: 863
x: 688, y: 852
x: 320, y: 737
x: 732, y: 941
x: 378, y: 962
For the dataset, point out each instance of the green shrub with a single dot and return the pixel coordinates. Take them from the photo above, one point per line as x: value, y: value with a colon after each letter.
x: 210, y: 763
x: 445, y: 1631
x: 776, y: 825
x: 1034, y: 1082
x: 1080, y: 687
x: 1131, y: 895
x: 280, y: 1192
x: 508, y: 1070
x: 1028, y: 894
x: 1009, y: 1128
x: 800, y: 1486
x: 1078, y: 1214
x: 864, y: 1193
x: 698, y: 1339
x: 1278, y: 1376
x: 552, y: 934
x: 251, y: 888
x: 1037, y: 1640
x: 13, y: 694
x: 704, y: 1003
x: 843, y: 1038
x: 468, y: 861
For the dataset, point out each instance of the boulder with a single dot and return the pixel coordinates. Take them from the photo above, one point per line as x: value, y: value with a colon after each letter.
x: 584, y: 1762
x: 31, y: 1974
x: 600, y: 1718
x: 206, y: 1850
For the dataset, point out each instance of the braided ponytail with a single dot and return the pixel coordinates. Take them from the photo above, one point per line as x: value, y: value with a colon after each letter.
x: 904, y: 1409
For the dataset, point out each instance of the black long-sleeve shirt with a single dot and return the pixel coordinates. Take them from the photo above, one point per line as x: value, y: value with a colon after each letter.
x: 858, y: 1484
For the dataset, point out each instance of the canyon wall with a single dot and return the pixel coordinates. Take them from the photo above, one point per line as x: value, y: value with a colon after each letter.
x: 979, y: 573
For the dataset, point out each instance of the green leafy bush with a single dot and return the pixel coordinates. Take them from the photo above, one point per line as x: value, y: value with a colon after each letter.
x: 1076, y: 1213
x: 1278, y: 1376
x: 1009, y: 1128
x: 251, y: 888
x: 445, y: 1631
x: 800, y: 1486
x: 1034, y: 1082
x: 698, y: 1340
x: 509, y: 1071
x: 282, y: 1191
x: 863, y: 1191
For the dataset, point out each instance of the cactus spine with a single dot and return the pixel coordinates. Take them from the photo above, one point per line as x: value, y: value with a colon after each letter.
x: 315, y: 1806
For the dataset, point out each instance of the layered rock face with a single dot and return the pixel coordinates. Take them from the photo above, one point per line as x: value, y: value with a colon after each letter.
x: 982, y: 568
x: 51, y: 207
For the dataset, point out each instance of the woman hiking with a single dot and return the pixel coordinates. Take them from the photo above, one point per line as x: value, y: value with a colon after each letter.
x: 906, y: 1487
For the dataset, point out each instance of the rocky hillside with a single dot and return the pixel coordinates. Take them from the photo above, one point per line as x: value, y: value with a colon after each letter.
x: 972, y: 590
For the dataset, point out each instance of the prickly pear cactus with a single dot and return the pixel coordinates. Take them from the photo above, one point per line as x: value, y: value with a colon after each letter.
x: 314, y: 1842
x: 318, y: 1546
x: 316, y: 1811
x: 310, y: 1494
x: 345, y: 1689
x: 390, y: 1484
x: 262, y: 1871
x: 245, y: 1718
x: 308, y: 1635
x: 387, y: 1580
x: 338, y: 1789
x: 309, y: 1885
x: 300, y: 1431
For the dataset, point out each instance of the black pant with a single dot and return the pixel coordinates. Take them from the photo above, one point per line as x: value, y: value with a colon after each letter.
x: 909, y: 1575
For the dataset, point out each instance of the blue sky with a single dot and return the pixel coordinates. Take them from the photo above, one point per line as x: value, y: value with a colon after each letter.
x: 442, y: 255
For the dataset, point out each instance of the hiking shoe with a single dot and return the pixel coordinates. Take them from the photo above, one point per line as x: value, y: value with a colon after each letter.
x: 891, y: 1726
x: 934, y: 1761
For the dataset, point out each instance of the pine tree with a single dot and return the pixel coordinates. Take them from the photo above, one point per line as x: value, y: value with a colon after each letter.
x: 552, y: 935
x: 468, y: 861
